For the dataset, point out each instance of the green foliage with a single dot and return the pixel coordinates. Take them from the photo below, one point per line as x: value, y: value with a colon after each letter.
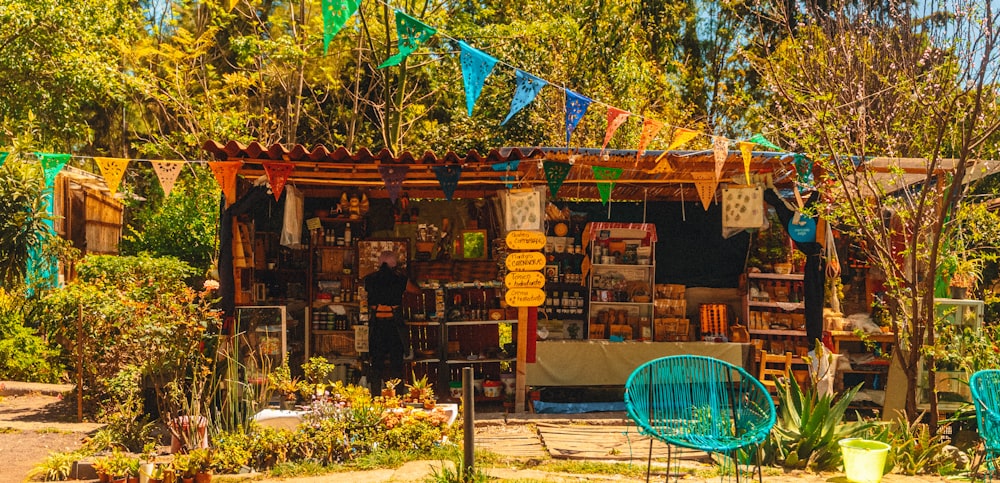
x: 182, y: 226
x: 809, y: 427
x: 914, y: 449
x: 455, y: 471
x: 24, y: 220
x: 55, y: 467
x: 232, y: 451
x: 24, y: 356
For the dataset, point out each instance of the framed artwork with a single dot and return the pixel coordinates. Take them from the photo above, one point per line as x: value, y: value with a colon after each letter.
x: 552, y: 273
x: 474, y: 244
x: 370, y: 250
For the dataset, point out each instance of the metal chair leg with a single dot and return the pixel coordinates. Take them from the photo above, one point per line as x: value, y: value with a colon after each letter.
x: 649, y: 460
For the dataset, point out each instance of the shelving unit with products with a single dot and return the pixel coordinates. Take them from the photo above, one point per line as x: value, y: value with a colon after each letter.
x: 775, y: 313
x: 334, y: 308
x: 958, y: 321
x: 621, y: 281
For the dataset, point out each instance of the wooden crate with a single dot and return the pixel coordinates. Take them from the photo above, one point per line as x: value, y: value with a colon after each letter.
x: 714, y: 320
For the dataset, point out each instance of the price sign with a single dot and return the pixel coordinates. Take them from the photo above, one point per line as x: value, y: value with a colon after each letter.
x: 525, y: 261
x: 524, y: 280
x: 525, y: 240
x: 525, y: 297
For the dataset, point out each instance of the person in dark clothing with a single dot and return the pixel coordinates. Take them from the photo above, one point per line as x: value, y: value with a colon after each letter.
x: 387, y: 332
x: 814, y: 278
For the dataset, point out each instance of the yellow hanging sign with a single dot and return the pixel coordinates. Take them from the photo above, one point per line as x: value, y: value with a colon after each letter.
x: 525, y: 240
x: 525, y: 297
x: 524, y: 280
x: 525, y: 261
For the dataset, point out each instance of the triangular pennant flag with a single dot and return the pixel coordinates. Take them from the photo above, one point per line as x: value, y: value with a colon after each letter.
x: 761, y: 140
x: 662, y: 164
x: 576, y: 107
x: 527, y: 88
x: 167, y: 172
x: 335, y: 15
x: 225, y: 175
x: 720, y: 150
x: 231, y: 4
x: 393, y: 176
x: 277, y: 176
x: 52, y: 164
x: 448, y: 177
x: 650, y: 127
x: 507, y: 165
x: 616, y: 117
x: 555, y: 174
x: 746, y: 148
x: 410, y: 33
x: 706, y: 184
x: 476, y: 67
x: 803, y: 171
x: 681, y: 136
x: 112, y: 169
x: 602, y: 173
x: 3, y: 157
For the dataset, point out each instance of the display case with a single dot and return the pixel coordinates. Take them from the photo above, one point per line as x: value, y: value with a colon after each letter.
x: 958, y: 320
x: 334, y: 307
x: 262, y: 332
x: 621, y: 279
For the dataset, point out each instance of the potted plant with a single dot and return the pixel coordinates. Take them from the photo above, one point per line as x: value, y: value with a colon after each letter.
x: 966, y: 274
x: 132, y: 470
x: 157, y: 473
x: 389, y: 391
x: 183, y: 468
x: 317, y: 373
x: 101, y: 466
x: 201, y: 464
x: 420, y: 391
x: 282, y: 382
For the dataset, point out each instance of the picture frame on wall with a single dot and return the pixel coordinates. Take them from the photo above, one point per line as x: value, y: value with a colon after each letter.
x: 370, y: 250
x: 474, y: 246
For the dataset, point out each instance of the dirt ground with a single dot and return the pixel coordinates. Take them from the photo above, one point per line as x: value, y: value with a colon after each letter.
x: 31, y: 427
x: 34, y: 425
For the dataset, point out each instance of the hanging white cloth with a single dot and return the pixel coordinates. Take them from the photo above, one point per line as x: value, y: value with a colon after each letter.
x: 291, y: 227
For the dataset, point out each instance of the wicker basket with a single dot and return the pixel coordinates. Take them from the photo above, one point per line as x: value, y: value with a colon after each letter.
x: 335, y: 344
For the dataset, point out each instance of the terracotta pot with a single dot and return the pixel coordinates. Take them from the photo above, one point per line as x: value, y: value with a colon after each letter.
x: 119, y: 479
x: 203, y: 478
x: 103, y: 478
x: 187, y: 479
x: 132, y: 479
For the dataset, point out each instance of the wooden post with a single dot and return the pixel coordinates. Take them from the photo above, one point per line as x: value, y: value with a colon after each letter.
x: 521, y: 364
x: 468, y: 424
x: 79, y: 363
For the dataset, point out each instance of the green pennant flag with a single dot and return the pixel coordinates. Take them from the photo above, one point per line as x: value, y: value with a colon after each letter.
x: 335, y: 15
x: 3, y: 157
x: 759, y: 139
x: 555, y: 174
x: 52, y: 164
x: 602, y: 173
x: 410, y: 33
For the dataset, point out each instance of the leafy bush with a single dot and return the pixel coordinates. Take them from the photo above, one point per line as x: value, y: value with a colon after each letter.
x: 24, y: 356
x: 232, y: 452
x: 914, y: 450
x: 55, y: 467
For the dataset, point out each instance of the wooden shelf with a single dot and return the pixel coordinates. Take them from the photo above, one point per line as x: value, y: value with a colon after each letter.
x: 618, y: 265
x: 776, y: 276
x: 778, y: 305
x: 331, y: 332
x: 786, y: 332
x: 480, y: 322
x: 478, y: 361
x: 423, y: 323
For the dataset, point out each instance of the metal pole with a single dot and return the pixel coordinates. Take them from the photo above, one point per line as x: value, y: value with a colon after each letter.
x: 468, y: 426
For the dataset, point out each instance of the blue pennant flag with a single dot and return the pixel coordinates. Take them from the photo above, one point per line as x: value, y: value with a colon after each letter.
x: 576, y: 107
x: 476, y: 67
x: 528, y: 87
x: 448, y: 176
x: 508, y: 179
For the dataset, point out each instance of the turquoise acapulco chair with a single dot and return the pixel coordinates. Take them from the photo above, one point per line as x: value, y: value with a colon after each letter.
x: 985, y: 388
x: 700, y: 403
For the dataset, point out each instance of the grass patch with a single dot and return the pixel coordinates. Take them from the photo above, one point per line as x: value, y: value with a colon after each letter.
x: 300, y: 468
x: 52, y: 431
x: 593, y: 468
x: 8, y: 430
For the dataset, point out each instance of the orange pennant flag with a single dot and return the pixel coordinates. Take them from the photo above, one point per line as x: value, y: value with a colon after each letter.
x: 225, y: 175
x: 706, y: 184
x: 650, y: 127
x: 616, y: 117
x: 277, y: 176
x: 746, y: 148
x: 113, y: 169
x: 167, y: 172
x: 662, y: 164
x: 720, y: 149
x: 681, y: 136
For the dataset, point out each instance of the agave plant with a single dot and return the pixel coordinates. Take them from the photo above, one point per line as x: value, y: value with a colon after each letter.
x: 810, y: 426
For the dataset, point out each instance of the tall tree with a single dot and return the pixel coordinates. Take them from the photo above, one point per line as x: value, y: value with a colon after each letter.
x: 878, y: 93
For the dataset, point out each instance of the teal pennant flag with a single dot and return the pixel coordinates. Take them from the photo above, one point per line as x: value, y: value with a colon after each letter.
x: 335, y: 15
x: 762, y: 141
x: 410, y: 33
x: 52, y: 164
x: 526, y: 88
x: 3, y: 157
x: 476, y: 67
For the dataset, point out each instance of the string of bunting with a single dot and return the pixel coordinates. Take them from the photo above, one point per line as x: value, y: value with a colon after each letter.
x: 478, y: 65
